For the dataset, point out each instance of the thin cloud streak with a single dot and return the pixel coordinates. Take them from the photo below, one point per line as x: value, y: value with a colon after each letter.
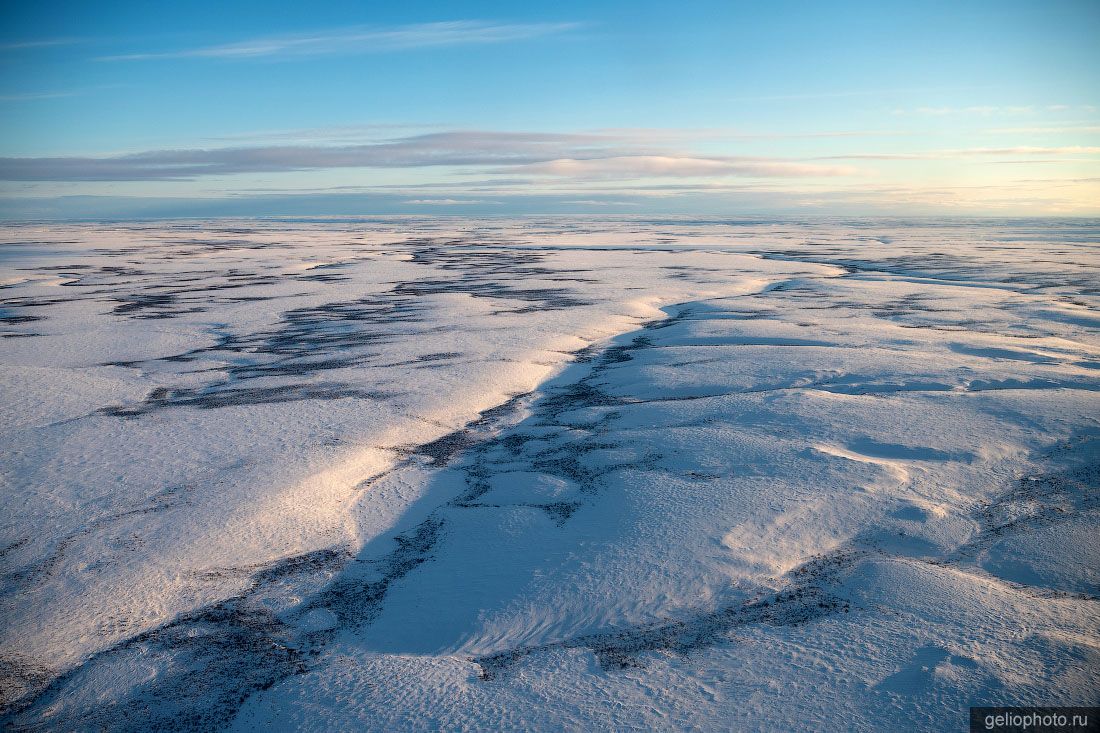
x: 434, y: 149
x: 855, y: 93
x: 967, y: 153
x: 365, y: 40
x: 44, y: 43
x: 645, y: 166
x: 722, y: 133
x: 32, y: 96
x: 579, y: 156
x: 447, y: 202
x: 986, y: 110
x: 1056, y: 130
x: 334, y: 134
x: 638, y: 135
x: 57, y: 94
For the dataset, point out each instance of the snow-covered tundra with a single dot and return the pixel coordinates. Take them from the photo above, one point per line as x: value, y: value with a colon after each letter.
x: 547, y: 474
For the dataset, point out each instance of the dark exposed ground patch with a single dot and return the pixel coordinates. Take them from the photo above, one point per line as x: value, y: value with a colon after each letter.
x: 356, y: 600
x: 21, y: 675
x: 162, y: 398
x: 23, y: 578
x: 307, y: 341
x: 1039, y: 500
x: 443, y: 450
x: 545, y: 298
x: 9, y: 318
x: 338, y: 335
x: 804, y: 600
x: 209, y: 661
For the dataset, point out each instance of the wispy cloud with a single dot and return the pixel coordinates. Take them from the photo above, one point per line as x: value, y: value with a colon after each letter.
x: 365, y: 39
x: 1055, y: 130
x: 851, y: 93
x: 40, y: 43
x: 446, y: 202
x: 377, y: 132
x: 688, y: 134
x: 464, y: 148
x: 980, y: 110
x: 580, y: 156
x: 987, y: 110
x: 330, y: 135
x: 32, y: 96
x: 968, y: 153
x: 55, y: 94
x: 601, y: 202
x: 646, y: 166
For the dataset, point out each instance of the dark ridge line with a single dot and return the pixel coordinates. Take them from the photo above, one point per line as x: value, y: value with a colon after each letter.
x: 855, y: 267
x: 48, y: 564
x: 162, y: 397
x: 174, y: 497
x: 801, y: 602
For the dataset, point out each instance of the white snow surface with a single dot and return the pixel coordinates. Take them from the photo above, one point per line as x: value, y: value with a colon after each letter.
x: 564, y: 474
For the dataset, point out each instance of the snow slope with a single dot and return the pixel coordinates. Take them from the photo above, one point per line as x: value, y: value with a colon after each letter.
x: 411, y: 474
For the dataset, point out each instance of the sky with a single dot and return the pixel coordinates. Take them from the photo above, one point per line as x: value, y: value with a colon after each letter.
x: 135, y: 109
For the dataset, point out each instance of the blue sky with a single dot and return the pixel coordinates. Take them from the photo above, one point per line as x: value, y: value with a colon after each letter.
x: 728, y: 108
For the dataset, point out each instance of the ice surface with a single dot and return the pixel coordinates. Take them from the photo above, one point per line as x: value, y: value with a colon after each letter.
x: 422, y: 473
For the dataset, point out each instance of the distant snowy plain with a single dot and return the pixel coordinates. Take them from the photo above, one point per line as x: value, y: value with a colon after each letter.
x: 422, y: 474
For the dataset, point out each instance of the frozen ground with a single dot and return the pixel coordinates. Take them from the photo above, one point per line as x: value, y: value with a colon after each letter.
x: 568, y: 474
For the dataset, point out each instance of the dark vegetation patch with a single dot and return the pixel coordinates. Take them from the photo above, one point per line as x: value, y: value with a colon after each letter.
x: 1041, y: 499
x: 307, y: 341
x: 20, y: 675
x: 356, y: 600
x: 337, y: 335
x: 545, y: 298
x: 208, y: 660
x: 163, y: 397
x: 445, y: 449
x: 23, y: 578
x: 9, y: 318
x: 803, y: 601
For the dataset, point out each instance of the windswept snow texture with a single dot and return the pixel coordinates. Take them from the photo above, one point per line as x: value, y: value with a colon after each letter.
x: 420, y: 474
